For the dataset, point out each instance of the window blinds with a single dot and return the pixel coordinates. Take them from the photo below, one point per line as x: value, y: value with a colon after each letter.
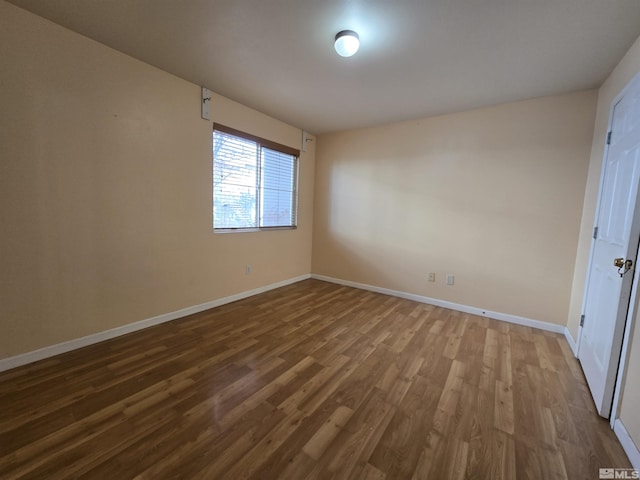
x: 254, y: 182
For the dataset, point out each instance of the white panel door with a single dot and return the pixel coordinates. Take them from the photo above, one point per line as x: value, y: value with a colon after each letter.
x: 607, y: 298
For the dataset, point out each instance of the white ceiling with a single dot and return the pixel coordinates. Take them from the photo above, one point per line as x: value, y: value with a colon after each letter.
x: 417, y: 57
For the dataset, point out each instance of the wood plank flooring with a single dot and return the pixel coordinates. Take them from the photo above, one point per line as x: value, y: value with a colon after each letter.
x: 310, y: 381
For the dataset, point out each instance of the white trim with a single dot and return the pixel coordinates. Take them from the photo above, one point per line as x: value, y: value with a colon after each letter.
x: 46, y: 352
x: 631, y: 312
x: 585, y: 292
x: 621, y: 375
x: 505, y: 317
x: 605, y: 152
x: 629, y: 446
x: 571, y: 342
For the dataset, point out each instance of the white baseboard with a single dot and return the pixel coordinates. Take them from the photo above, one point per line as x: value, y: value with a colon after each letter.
x: 629, y: 446
x: 527, y: 322
x: 52, y: 350
x: 572, y: 343
x: 46, y: 352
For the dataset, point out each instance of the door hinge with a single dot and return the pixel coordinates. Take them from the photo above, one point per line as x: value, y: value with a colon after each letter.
x: 595, y: 232
x: 609, y: 138
x: 581, y: 320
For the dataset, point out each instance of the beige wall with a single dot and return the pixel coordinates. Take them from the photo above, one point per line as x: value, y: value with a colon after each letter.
x: 105, y: 191
x: 105, y: 198
x: 493, y: 196
x: 619, y: 78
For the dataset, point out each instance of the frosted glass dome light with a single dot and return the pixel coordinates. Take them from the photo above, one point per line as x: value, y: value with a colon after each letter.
x: 347, y: 43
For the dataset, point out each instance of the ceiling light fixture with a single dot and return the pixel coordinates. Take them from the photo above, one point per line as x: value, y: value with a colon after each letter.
x: 347, y: 43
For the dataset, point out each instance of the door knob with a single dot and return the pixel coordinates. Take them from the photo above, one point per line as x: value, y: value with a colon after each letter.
x: 623, y: 265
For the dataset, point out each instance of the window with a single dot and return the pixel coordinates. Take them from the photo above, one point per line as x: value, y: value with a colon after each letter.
x: 255, y: 182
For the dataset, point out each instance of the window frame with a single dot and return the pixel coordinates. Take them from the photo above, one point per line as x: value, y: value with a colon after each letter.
x: 261, y: 143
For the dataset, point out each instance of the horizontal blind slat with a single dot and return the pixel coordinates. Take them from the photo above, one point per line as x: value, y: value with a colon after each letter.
x: 234, y: 181
x: 253, y: 185
x: 277, y: 188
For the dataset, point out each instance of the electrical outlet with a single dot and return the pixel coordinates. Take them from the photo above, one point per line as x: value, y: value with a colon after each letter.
x: 248, y: 269
x: 450, y: 279
x: 432, y: 277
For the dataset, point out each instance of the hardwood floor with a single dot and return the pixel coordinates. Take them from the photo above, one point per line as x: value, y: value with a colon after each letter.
x: 310, y: 381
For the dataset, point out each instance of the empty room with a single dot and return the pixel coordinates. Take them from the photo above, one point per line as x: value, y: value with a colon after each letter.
x: 338, y: 239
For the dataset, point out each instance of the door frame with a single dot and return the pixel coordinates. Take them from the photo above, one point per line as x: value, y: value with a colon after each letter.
x: 634, y: 298
x: 621, y: 373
